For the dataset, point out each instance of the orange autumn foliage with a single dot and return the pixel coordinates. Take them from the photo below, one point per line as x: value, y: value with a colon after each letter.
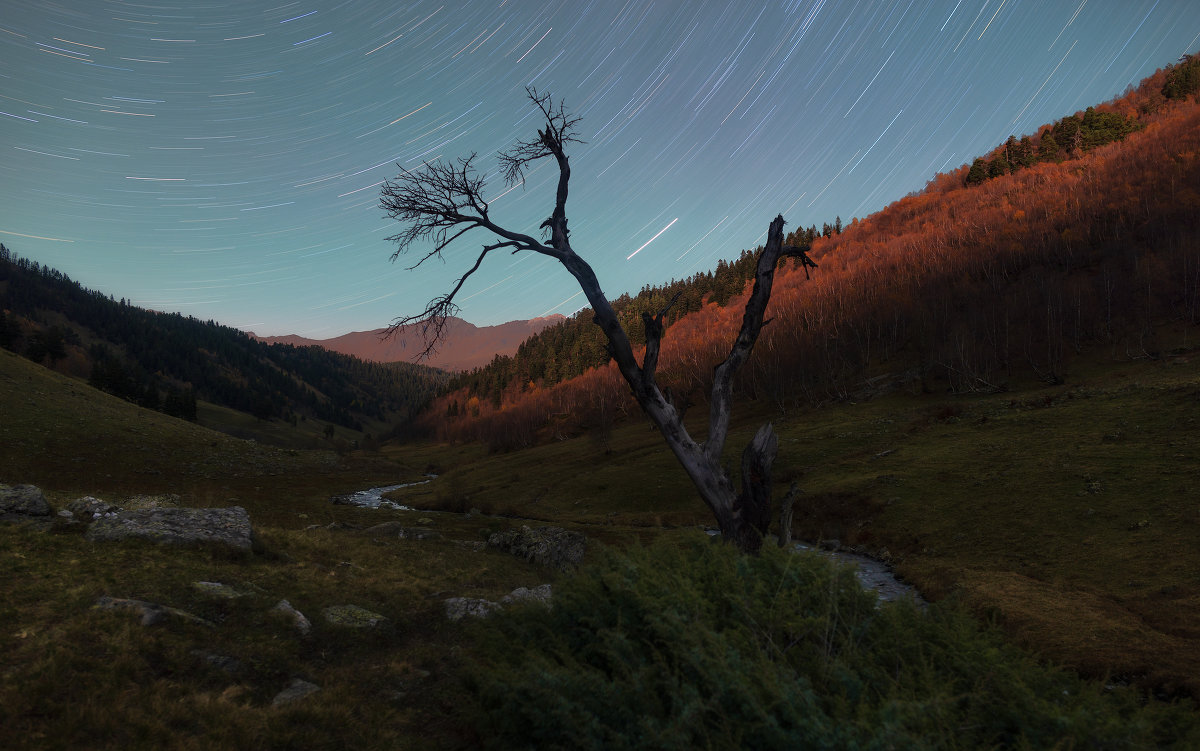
x: 955, y: 288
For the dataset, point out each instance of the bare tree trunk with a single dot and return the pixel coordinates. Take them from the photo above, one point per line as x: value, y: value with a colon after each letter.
x: 441, y: 202
x: 743, y: 517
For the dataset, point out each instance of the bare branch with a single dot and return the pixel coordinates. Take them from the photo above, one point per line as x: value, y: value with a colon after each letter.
x: 792, y: 251
x: 752, y: 323
x: 439, y: 203
x: 438, y: 311
x: 560, y: 130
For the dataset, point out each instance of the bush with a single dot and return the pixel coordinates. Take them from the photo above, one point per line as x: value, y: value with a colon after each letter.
x: 696, y: 646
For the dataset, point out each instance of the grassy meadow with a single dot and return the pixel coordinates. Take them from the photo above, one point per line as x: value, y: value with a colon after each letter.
x: 1065, y: 516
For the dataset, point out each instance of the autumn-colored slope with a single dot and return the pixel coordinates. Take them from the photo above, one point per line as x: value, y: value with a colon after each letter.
x: 961, y: 287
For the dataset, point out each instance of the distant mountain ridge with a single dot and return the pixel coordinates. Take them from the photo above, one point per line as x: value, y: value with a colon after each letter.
x: 467, y: 346
x: 166, y: 361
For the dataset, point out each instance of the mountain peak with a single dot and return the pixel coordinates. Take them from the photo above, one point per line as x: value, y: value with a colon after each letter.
x: 466, y: 346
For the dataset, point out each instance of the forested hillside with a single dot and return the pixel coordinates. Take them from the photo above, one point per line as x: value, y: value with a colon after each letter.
x: 1081, y: 235
x: 166, y: 361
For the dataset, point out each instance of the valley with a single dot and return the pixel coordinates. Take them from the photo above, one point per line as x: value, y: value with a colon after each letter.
x: 1017, y: 507
x: 991, y: 388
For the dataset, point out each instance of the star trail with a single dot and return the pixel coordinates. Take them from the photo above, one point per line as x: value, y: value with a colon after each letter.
x: 223, y: 159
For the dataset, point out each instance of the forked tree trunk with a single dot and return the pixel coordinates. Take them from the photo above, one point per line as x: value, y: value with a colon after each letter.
x: 743, y: 517
x: 443, y: 201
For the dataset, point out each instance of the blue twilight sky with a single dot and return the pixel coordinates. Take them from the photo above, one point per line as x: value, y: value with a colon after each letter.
x: 223, y: 158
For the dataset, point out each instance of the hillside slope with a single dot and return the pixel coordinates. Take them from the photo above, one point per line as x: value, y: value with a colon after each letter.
x: 972, y: 285
x: 168, y: 361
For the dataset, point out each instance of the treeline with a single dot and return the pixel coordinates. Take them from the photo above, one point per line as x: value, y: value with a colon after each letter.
x: 1075, y: 135
x: 570, y: 348
x: 959, y: 288
x: 166, y: 361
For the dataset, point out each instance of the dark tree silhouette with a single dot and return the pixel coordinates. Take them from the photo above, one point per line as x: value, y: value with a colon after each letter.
x: 443, y: 201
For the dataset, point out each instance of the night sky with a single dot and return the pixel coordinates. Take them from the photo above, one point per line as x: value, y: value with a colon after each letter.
x: 223, y: 159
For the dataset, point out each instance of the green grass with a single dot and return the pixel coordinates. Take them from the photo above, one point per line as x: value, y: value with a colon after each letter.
x: 78, y: 677
x: 1066, y: 512
x: 1065, y: 515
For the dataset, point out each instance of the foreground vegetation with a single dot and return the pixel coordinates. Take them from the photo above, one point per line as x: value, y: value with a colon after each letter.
x: 1064, y: 512
x: 1062, y: 515
x: 693, y: 645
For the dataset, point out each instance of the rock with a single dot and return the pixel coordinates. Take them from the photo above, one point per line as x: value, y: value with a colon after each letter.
x: 151, y: 612
x: 301, y: 623
x: 352, y: 616
x: 387, y: 529
x: 88, y: 509
x: 23, y: 500
x: 297, y: 689
x: 458, y: 608
x: 178, y: 526
x: 217, y: 589
x: 540, y: 594
x: 224, y: 662
x: 548, y: 546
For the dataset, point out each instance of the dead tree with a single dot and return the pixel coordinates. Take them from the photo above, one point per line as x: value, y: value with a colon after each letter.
x: 441, y: 202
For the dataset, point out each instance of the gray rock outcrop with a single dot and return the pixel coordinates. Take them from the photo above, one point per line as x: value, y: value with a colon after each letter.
x: 178, y: 526
x: 554, y: 547
x: 216, y: 590
x: 150, y: 612
x: 297, y: 689
x: 540, y: 594
x: 297, y: 618
x: 23, y: 500
x: 89, y: 508
x: 458, y: 608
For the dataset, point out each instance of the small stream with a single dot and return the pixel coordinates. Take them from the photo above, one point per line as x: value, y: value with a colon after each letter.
x: 871, y: 573
x: 373, y: 497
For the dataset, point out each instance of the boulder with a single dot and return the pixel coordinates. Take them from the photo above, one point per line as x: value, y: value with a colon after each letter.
x: 23, y: 500
x: 88, y: 509
x: 297, y: 618
x: 178, y: 526
x: 386, y: 529
x: 547, y: 546
x: 458, y: 608
x: 217, y: 590
x: 228, y: 664
x: 297, y: 689
x: 539, y: 594
x: 150, y: 612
